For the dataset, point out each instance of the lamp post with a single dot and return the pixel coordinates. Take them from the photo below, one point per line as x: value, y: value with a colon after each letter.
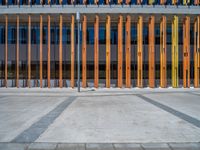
x: 78, y: 47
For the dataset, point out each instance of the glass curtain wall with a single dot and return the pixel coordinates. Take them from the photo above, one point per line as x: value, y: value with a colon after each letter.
x: 12, y: 35
x: 2, y: 58
x: 23, y: 53
x: 134, y: 54
x: 35, y: 54
x: 102, y: 54
x: 114, y: 54
x: 90, y: 53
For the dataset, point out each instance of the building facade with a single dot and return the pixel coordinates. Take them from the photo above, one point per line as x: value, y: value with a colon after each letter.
x: 131, y: 43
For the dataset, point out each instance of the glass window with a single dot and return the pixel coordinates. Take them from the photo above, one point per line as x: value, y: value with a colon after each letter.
x: 12, y: 34
x: 157, y: 34
x: 169, y: 34
x: 45, y: 34
x: 64, y: 35
x: 2, y: 34
x: 2, y: 69
x: 90, y: 35
x: 69, y: 36
x: 102, y: 35
x: 192, y: 36
x: 23, y: 36
x: 35, y: 34
x: 133, y: 35
x: 114, y: 35
x: 145, y: 34
x: 180, y: 34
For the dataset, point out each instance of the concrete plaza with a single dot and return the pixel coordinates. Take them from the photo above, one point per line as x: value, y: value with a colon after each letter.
x: 104, y: 119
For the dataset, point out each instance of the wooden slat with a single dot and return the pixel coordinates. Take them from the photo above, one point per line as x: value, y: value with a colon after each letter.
x: 108, y: 52
x: 120, y: 51
x: 119, y: 1
x: 107, y: 2
x: 85, y: 2
x: 29, y: 51
x: 49, y: 51
x: 140, y: 52
x: 162, y: 2
x: 196, y: 2
x: 6, y: 50
x: 139, y: 2
x: 128, y: 51
x: 197, y: 52
x: 72, y: 52
x: 96, y: 52
x: 186, y: 52
x: 151, y: 49
x: 151, y: 2
x: 128, y: 2
x: 84, y: 52
x: 175, y: 52
x: 41, y: 41
x: 17, y: 54
x: 96, y: 2
x: 174, y: 2
x: 60, y: 52
x: 163, y: 53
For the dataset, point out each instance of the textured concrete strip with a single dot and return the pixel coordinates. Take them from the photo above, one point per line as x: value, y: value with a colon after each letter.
x: 33, y: 132
x: 176, y: 113
x: 192, y: 93
x: 185, y: 146
x: 99, y: 146
x: 127, y: 147
x: 13, y: 146
x: 2, y: 97
x: 42, y: 146
x: 155, y: 146
x: 70, y: 147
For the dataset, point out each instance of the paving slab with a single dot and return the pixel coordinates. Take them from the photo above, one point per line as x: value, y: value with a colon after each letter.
x: 101, y: 116
x: 42, y: 146
x: 64, y: 146
x: 13, y: 146
x: 155, y: 146
x: 104, y: 146
x: 118, y: 119
x: 183, y: 102
x: 19, y: 113
x: 185, y: 146
x: 127, y: 146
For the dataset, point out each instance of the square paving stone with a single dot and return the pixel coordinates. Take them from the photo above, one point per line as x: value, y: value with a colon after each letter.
x: 42, y: 146
x: 13, y: 146
x: 127, y: 146
x: 185, y: 146
x: 99, y: 147
x: 155, y: 146
x: 70, y: 147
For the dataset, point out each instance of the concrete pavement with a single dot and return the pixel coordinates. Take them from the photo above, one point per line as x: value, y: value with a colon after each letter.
x: 53, y: 118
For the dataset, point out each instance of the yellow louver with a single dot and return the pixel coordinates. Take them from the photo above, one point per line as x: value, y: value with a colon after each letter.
x: 175, y: 52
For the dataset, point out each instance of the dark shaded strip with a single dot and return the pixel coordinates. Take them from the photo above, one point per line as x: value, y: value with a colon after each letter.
x: 193, y: 93
x: 2, y: 97
x: 176, y: 113
x: 34, y: 131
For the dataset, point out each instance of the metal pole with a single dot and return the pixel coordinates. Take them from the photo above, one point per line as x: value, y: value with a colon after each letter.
x: 78, y: 47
